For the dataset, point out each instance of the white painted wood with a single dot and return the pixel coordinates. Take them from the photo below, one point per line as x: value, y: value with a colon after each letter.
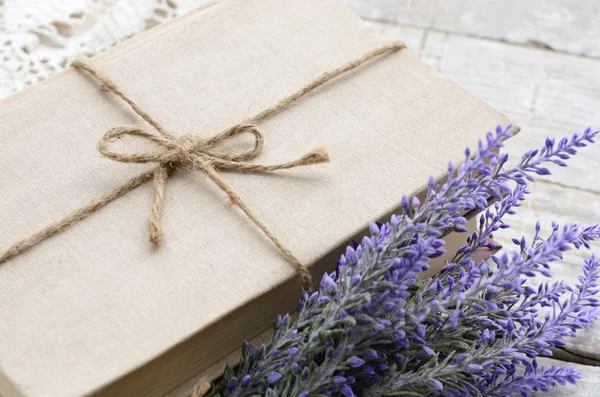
x: 571, y: 26
x: 413, y: 37
x: 546, y: 93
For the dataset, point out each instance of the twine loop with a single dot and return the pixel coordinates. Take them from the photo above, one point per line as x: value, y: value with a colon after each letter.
x: 185, y: 150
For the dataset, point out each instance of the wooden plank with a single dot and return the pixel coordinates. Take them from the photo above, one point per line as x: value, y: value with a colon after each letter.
x: 413, y: 37
x: 571, y: 26
x: 547, y: 94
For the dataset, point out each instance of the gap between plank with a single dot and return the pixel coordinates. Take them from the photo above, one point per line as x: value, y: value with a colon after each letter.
x: 531, y: 44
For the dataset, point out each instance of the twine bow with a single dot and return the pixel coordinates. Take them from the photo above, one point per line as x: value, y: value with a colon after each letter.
x: 194, y: 151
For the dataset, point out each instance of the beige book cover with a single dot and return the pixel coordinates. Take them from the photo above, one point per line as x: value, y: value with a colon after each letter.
x: 95, y: 310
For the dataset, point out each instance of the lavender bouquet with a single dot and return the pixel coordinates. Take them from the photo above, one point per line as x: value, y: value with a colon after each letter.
x: 474, y: 329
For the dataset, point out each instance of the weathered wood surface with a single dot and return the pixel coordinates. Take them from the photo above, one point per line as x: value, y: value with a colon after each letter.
x: 546, y: 93
x: 571, y: 26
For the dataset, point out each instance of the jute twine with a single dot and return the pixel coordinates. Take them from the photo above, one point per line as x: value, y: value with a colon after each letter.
x: 173, y: 151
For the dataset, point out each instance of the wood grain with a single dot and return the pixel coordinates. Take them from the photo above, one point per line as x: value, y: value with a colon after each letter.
x: 546, y: 93
x: 571, y: 26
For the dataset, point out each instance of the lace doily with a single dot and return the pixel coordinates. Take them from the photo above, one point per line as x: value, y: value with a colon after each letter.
x: 41, y: 37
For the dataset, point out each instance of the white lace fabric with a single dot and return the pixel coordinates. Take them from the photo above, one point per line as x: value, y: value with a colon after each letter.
x: 41, y: 37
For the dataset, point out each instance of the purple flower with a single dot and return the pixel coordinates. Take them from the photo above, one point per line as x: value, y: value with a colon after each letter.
x: 292, y: 351
x: 355, y: 362
x: 435, y: 384
x: 232, y: 383
x: 273, y: 377
x: 246, y: 380
x: 428, y: 351
x: 371, y: 354
x: 328, y: 284
x: 346, y: 391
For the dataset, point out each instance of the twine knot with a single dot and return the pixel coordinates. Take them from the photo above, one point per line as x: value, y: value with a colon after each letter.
x: 188, y: 144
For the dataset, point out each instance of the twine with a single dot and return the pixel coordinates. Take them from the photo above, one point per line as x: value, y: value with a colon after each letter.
x: 192, y: 151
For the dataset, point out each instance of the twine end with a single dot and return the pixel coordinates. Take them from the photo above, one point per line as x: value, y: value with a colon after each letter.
x: 316, y: 156
x: 77, y: 62
x: 201, y: 388
x: 397, y: 45
x: 306, y: 281
x: 156, y: 235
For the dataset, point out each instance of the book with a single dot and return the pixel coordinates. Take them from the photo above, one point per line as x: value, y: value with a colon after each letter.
x: 95, y: 309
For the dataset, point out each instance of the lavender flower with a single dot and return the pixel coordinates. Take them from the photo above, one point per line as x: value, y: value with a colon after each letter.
x: 474, y: 329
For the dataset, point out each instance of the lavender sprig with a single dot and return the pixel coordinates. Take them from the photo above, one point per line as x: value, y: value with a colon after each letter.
x: 373, y: 329
x: 543, y: 380
x: 497, y: 344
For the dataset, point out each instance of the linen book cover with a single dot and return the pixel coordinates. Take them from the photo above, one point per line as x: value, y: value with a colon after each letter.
x: 95, y: 309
